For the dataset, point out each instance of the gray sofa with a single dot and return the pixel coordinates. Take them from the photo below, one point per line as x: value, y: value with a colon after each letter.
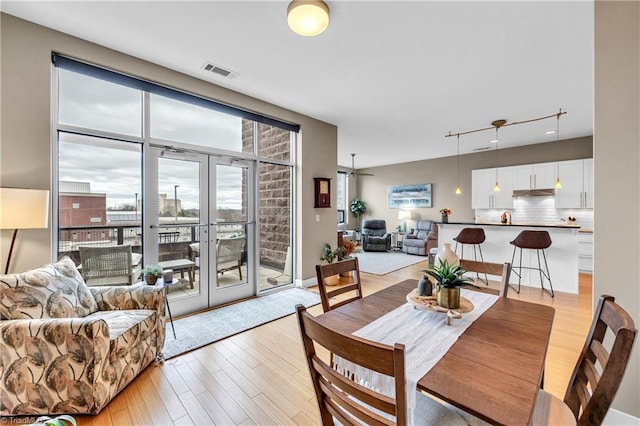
x: 423, y: 238
x: 375, y: 236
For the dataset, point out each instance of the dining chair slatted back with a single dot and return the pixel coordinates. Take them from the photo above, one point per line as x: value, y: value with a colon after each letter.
x: 337, y: 395
x: 598, y: 372
x: 502, y: 270
x: 323, y: 272
x: 106, y: 264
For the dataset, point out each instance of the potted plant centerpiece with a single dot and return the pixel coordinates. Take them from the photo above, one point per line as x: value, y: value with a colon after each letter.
x: 152, y: 273
x: 448, y: 279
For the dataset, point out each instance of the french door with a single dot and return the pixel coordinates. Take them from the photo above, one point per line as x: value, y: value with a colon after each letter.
x: 199, y: 222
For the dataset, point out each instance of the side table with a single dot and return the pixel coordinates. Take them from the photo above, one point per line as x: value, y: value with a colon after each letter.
x: 396, y: 240
x: 160, y: 283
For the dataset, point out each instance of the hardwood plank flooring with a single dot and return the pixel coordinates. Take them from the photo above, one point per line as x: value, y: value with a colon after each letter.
x: 260, y: 377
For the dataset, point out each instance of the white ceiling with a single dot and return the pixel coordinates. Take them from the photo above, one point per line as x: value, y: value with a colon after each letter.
x: 395, y: 77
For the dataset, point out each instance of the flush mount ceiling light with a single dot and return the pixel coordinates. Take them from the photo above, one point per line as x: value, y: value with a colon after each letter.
x: 308, y: 18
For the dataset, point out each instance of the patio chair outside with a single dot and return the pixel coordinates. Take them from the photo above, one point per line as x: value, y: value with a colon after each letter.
x: 108, y: 265
x: 229, y: 254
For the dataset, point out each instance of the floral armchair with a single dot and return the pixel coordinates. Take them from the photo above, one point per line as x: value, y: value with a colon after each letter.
x: 68, y: 348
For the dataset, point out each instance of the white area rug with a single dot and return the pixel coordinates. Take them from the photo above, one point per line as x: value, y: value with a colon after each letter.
x: 199, y: 330
x: 381, y: 263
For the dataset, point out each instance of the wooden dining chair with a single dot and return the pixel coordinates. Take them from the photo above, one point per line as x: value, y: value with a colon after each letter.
x: 345, y: 400
x: 502, y: 270
x: 332, y: 269
x: 596, y: 375
x: 598, y: 371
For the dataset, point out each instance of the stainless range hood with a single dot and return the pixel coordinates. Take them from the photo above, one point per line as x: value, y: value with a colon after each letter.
x: 543, y: 192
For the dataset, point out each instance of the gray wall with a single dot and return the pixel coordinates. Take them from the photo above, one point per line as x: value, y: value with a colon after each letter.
x: 617, y: 175
x: 441, y: 173
x: 26, y: 141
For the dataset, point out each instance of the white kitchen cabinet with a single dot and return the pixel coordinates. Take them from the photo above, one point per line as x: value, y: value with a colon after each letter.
x: 585, y: 252
x: 576, y: 177
x: 588, y: 182
x: 534, y: 176
x: 503, y: 199
x: 484, y: 180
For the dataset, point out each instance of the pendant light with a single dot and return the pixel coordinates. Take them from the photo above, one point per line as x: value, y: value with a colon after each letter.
x: 308, y: 18
x: 497, y: 124
x: 558, y: 185
x: 458, y: 190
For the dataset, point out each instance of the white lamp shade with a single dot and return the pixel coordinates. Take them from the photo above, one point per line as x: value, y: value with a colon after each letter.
x: 24, y: 208
x: 404, y: 215
x: 308, y: 18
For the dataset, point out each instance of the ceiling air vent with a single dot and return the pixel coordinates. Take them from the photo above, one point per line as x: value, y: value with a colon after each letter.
x: 216, y: 69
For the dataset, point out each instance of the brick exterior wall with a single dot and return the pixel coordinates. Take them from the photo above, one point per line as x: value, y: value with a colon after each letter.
x: 87, y: 207
x: 274, y: 188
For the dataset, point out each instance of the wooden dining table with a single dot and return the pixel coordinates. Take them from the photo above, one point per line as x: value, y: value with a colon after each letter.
x: 493, y: 370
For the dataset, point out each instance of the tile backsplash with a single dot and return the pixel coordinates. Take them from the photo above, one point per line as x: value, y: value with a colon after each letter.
x: 537, y: 210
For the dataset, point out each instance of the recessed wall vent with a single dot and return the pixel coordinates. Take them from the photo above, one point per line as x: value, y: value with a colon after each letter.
x: 218, y: 70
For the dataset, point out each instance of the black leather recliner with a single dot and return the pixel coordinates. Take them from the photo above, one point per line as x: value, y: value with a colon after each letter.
x: 375, y: 236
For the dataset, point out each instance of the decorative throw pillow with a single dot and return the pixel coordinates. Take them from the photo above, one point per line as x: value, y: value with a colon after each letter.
x: 51, y: 291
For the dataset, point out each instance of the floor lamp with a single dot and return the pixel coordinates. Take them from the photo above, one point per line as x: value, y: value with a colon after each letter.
x: 22, y: 209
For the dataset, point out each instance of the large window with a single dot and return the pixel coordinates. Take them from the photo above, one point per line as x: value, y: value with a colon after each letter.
x: 101, y: 147
x: 341, y: 197
x: 175, y: 120
x: 99, y: 189
x: 97, y: 104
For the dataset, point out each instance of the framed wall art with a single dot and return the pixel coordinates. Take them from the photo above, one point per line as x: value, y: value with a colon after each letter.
x: 409, y: 196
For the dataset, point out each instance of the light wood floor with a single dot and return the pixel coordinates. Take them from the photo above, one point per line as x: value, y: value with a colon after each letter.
x: 260, y: 376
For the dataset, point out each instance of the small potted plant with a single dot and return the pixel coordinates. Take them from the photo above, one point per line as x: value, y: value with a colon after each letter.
x: 329, y: 255
x: 347, y: 248
x: 61, y: 420
x: 152, y: 273
x: 448, y: 279
x: 445, y: 212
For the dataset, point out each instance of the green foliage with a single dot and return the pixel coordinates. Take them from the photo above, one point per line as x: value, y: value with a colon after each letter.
x: 329, y: 255
x: 448, y: 276
x: 357, y: 207
x: 154, y: 270
x: 62, y: 420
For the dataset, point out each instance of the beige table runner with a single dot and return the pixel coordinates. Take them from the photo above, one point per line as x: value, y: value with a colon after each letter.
x: 426, y: 337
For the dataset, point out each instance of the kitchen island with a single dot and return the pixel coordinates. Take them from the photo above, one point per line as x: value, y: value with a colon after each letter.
x: 562, y: 256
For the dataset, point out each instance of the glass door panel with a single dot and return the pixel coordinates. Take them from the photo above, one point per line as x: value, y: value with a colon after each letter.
x: 176, y: 209
x: 233, y: 229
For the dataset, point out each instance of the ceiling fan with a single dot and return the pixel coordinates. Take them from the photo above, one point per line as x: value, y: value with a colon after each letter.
x: 353, y: 168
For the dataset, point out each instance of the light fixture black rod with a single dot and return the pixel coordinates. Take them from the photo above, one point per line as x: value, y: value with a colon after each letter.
x: 558, y: 114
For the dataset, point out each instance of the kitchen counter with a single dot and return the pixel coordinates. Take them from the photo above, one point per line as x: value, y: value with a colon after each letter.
x: 529, y: 225
x: 562, y: 256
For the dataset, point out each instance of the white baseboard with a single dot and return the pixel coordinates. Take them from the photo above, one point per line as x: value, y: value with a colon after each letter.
x: 309, y: 282
x: 618, y: 418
